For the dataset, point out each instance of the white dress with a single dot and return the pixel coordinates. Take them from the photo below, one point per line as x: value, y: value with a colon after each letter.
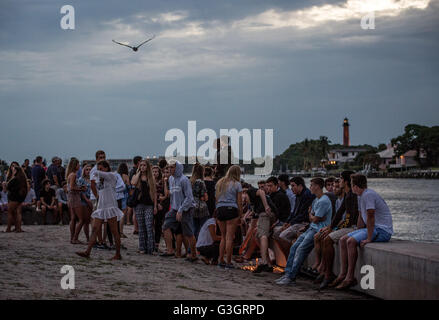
x: 107, y: 204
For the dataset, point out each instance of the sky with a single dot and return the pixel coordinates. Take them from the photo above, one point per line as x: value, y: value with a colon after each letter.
x: 297, y: 67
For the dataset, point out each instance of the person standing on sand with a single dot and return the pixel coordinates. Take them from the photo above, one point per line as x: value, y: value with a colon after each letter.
x: 107, y: 208
x: 74, y: 198
x: 17, y: 191
x: 146, y: 206
x: 99, y: 156
x: 130, y: 212
x: 229, y: 211
x: 182, y: 204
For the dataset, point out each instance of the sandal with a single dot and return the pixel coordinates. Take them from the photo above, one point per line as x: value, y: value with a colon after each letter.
x: 346, y: 284
x: 165, y: 254
x: 336, y: 282
x: 190, y: 259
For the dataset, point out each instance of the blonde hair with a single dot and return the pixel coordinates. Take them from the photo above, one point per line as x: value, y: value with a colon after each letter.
x: 83, y: 170
x: 73, y: 163
x: 232, y: 175
x: 150, y: 179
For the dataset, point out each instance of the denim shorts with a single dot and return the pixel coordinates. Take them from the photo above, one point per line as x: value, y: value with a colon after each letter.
x: 186, y: 222
x: 379, y: 235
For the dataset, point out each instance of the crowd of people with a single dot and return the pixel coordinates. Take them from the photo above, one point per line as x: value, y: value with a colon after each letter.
x: 214, y: 215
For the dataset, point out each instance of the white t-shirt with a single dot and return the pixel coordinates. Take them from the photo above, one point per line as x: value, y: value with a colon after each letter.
x: 204, y: 237
x: 30, y: 196
x: 372, y: 200
x: 120, y: 187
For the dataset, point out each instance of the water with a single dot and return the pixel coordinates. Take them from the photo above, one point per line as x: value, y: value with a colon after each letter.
x: 414, y: 204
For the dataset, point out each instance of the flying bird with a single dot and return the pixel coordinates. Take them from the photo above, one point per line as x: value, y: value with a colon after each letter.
x: 136, y: 47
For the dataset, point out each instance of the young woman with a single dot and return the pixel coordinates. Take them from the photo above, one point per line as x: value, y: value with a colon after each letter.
x: 162, y: 192
x: 210, y: 187
x: 74, y: 200
x: 199, y: 191
x: 17, y: 190
x: 229, y: 209
x: 122, y: 170
x: 146, y: 206
x: 86, y: 204
x: 107, y: 208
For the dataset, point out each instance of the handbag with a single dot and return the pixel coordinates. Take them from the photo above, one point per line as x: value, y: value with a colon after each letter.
x: 133, y: 198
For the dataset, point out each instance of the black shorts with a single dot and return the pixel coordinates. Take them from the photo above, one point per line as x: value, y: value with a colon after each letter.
x: 226, y: 213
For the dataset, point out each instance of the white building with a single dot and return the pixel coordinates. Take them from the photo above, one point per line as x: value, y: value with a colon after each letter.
x: 343, y: 155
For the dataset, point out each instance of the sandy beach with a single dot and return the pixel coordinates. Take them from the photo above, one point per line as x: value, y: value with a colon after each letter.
x: 30, y: 265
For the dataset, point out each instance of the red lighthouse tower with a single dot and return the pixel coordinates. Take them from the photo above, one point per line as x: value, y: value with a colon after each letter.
x: 346, y: 125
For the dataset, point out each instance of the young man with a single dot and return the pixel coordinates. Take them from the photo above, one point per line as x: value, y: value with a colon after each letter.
x: 374, y: 225
x: 268, y: 218
x: 48, y: 200
x: 38, y: 175
x: 344, y: 222
x: 330, y: 188
x: 284, y: 184
x: 27, y: 169
x: 61, y: 197
x: 53, y: 174
x: 319, y: 217
x: 298, y: 220
x: 182, y: 204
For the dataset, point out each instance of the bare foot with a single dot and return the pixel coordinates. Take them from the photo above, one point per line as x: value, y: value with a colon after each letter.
x: 19, y: 230
x: 8, y: 230
x: 116, y: 257
x: 83, y: 254
x: 76, y: 242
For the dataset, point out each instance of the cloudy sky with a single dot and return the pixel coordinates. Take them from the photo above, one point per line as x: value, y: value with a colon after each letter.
x: 298, y: 67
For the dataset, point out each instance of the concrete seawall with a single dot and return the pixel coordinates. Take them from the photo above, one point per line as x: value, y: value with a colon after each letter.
x: 403, y: 269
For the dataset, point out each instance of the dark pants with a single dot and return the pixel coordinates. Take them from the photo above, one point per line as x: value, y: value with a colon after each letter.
x: 210, y: 252
x: 158, y: 223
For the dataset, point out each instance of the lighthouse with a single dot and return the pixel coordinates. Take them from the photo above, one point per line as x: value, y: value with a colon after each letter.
x: 346, y: 141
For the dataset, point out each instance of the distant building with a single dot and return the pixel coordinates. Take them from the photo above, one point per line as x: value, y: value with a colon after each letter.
x: 343, y: 155
x: 387, y: 157
x: 390, y: 161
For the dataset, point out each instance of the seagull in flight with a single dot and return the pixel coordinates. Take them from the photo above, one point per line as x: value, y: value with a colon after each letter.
x: 136, y: 47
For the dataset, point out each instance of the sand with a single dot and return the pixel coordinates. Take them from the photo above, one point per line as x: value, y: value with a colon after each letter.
x: 30, y: 268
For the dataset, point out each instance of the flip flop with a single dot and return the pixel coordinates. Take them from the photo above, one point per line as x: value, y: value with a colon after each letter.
x: 347, y: 284
x: 165, y: 254
x: 190, y: 259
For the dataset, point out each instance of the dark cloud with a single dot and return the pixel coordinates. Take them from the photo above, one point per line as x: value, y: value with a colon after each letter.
x: 71, y: 92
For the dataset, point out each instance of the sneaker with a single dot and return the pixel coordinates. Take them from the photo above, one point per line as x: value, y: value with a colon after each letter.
x: 286, y: 281
x: 104, y: 246
x: 280, y: 279
x: 229, y: 266
x: 221, y: 265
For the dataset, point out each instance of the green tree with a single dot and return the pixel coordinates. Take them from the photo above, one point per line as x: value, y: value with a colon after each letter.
x: 422, y: 139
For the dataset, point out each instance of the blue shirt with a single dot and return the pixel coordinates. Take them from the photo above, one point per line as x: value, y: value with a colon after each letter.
x: 228, y: 198
x: 322, y: 208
